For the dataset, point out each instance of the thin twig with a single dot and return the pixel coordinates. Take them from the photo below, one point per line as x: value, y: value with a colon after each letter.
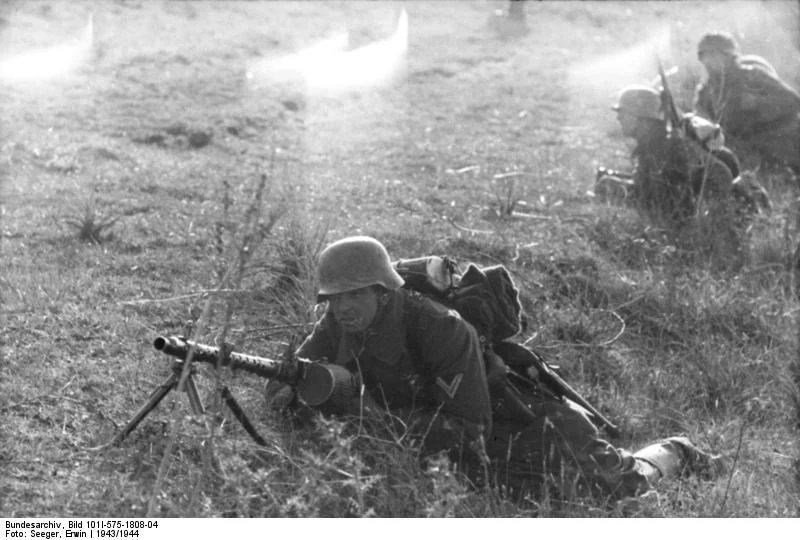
x: 180, y: 297
x: 619, y: 334
x: 523, y: 215
x: 465, y: 229
x: 47, y: 395
x: 733, y: 467
x: 162, y: 470
x: 511, y: 174
x: 277, y: 328
x: 463, y: 170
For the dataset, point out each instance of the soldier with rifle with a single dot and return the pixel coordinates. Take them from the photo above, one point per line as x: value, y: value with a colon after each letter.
x: 406, y: 356
x: 684, y: 179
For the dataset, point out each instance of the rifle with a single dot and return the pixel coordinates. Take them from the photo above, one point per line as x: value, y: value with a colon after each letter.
x: 551, y: 381
x: 667, y: 101
x: 316, y: 383
x: 700, y: 130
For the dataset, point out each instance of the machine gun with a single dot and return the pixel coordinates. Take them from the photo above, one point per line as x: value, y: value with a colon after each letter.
x: 316, y: 383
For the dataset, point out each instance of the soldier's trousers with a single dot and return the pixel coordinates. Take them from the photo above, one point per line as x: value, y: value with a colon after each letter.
x: 562, y: 452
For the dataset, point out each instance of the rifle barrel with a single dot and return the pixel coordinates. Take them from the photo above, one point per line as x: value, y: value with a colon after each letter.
x: 669, y: 100
x: 520, y: 357
x: 559, y: 385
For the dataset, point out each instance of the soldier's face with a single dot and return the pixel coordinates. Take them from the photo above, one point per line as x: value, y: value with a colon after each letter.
x: 714, y: 61
x: 628, y: 123
x: 355, y: 310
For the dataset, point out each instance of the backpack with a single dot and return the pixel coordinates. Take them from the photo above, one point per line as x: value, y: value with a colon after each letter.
x: 484, y: 297
x: 488, y: 299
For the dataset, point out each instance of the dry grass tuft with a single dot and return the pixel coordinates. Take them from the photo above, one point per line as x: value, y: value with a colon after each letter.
x: 90, y: 224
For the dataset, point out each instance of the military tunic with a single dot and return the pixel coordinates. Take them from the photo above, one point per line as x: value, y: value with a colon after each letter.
x: 416, y: 355
x: 755, y: 107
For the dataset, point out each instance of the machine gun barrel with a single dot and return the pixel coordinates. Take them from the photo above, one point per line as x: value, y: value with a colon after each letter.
x: 288, y: 372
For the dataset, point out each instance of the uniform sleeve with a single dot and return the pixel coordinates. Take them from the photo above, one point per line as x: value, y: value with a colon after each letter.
x: 315, y: 347
x: 456, y: 380
x: 318, y: 344
x: 703, y: 104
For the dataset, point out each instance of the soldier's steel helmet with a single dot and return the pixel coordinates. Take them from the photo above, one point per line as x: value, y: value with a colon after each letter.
x: 639, y: 100
x: 718, y: 41
x: 353, y: 263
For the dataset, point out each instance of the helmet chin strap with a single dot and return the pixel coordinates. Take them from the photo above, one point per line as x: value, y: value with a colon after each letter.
x: 383, y: 301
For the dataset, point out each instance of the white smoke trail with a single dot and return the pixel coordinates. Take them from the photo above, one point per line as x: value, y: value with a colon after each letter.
x: 633, y: 65
x: 51, y: 62
x: 328, y: 68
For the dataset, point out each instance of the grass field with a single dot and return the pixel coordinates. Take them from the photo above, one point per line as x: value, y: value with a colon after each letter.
x: 165, y: 185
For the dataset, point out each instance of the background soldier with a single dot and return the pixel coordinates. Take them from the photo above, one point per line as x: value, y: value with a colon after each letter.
x: 510, y: 23
x: 415, y: 359
x: 516, y: 10
x: 675, y: 181
x: 745, y: 95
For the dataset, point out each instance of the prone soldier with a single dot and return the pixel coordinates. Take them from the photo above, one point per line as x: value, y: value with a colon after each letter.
x: 680, y: 180
x: 416, y: 359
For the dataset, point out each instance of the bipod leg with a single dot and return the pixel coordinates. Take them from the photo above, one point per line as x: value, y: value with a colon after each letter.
x: 239, y: 414
x: 155, y: 398
x: 197, y: 408
x: 194, y: 397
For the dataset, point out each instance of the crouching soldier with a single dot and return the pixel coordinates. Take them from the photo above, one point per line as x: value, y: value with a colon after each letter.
x: 746, y: 96
x: 411, y: 357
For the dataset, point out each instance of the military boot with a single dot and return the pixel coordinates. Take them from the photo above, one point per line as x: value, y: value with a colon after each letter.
x: 695, y: 461
x: 675, y: 456
x: 659, y: 460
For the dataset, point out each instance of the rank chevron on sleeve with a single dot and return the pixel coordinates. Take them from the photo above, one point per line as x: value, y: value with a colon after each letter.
x: 452, y: 388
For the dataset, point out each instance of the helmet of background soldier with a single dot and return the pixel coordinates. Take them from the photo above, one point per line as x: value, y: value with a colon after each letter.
x: 718, y: 42
x: 353, y: 263
x: 641, y: 101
